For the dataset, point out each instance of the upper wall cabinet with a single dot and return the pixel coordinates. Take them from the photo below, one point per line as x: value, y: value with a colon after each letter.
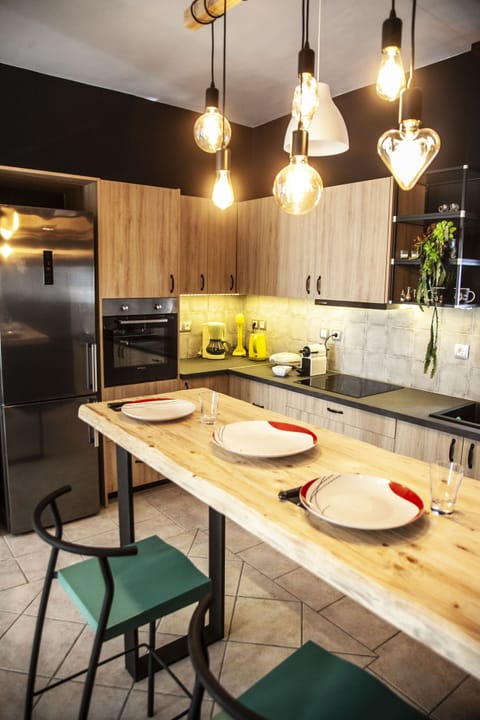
x: 353, y: 249
x: 208, y: 247
x: 138, y: 238
x: 337, y: 254
x: 275, y: 250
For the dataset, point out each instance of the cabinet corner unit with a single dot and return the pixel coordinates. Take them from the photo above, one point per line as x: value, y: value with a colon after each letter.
x: 448, y: 194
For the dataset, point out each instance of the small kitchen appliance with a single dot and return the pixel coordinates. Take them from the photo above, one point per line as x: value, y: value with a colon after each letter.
x: 213, y: 340
x: 239, y: 351
x: 257, y: 346
x: 314, y: 359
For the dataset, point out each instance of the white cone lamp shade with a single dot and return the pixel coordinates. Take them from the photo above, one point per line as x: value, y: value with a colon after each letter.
x: 327, y: 134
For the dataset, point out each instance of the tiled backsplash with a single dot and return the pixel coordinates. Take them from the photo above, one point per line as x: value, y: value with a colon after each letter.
x: 381, y: 344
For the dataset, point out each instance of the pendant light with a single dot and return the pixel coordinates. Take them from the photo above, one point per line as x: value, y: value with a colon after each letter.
x: 327, y: 133
x: 305, y: 97
x: 297, y: 188
x: 408, y: 151
x: 212, y: 130
x: 391, y: 75
x: 222, y: 195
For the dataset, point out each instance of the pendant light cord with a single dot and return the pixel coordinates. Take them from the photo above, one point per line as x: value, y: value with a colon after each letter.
x: 305, y: 22
x: 224, y: 71
x: 318, y: 39
x: 412, y: 44
x: 212, y: 59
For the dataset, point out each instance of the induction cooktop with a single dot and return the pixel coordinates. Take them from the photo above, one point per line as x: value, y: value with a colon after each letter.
x: 348, y: 384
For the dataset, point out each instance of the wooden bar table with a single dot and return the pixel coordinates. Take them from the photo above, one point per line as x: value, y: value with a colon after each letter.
x: 423, y: 577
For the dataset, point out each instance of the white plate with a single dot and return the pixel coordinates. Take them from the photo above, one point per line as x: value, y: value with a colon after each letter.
x: 158, y: 410
x: 359, y: 501
x: 264, y: 438
x: 285, y: 358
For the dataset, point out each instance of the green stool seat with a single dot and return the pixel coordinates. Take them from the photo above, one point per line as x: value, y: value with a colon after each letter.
x: 155, y: 582
x: 311, y: 684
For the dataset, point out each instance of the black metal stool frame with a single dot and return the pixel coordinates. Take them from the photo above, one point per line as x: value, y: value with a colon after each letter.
x: 102, y: 554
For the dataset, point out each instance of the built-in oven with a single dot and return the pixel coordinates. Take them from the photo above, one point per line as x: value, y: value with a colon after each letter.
x: 140, y: 337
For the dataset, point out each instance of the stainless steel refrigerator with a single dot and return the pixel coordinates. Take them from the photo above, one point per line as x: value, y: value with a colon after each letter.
x: 47, y: 361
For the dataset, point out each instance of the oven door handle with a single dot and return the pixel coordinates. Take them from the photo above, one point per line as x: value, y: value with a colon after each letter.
x: 147, y: 321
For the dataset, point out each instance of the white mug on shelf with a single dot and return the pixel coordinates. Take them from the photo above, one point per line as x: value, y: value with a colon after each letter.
x: 466, y: 295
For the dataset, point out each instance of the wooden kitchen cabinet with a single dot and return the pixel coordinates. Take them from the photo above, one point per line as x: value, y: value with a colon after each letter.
x: 259, y: 394
x: 430, y: 445
x: 138, y: 239
x: 337, y: 253
x: 352, y: 255
x: 370, y: 427
x: 208, y: 247
x: 220, y: 383
x: 257, y: 247
x: 275, y: 250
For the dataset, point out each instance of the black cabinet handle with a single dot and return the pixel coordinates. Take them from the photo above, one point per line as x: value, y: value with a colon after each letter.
x: 202, y: 281
x: 451, y: 450
x: 232, y: 282
x: 307, y: 284
x: 172, y: 283
x: 470, y: 456
x: 319, y: 285
x: 336, y: 412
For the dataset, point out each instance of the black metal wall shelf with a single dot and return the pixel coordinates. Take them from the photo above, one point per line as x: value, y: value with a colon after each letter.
x: 415, y: 211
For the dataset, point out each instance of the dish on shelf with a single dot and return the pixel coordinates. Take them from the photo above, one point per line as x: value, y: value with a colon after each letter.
x: 264, y: 438
x: 158, y: 410
x: 363, y: 502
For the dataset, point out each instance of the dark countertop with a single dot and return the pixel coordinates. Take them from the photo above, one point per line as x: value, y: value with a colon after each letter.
x: 405, y: 404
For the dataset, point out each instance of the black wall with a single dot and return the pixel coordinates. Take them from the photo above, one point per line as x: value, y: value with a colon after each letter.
x: 51, y: 124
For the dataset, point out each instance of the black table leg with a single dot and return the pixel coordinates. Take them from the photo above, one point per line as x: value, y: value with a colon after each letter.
x: 177, y: 649
x: 216, y: 570
x: 127, y: 535
x: 125, y: 496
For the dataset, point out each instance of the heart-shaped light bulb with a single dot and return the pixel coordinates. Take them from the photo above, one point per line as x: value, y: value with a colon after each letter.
x: 408, y: 152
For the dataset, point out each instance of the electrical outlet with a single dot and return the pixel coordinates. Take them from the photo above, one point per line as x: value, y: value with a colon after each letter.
x: 262, y: 324
x: 336, y: 335
x: 460, y: 351
x: 185, y: 326
x: 324, y: 333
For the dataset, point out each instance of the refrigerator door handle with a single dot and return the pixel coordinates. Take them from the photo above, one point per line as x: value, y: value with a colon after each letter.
x: 92, y: 374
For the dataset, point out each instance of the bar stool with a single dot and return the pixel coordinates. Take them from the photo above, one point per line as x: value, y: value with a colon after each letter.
x: 117, y: 590
x: 311, y: 683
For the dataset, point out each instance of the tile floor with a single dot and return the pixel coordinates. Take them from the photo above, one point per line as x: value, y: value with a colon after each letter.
x: 272, y: 606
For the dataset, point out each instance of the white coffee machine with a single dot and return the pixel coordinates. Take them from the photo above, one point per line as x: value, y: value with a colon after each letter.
x: 213, y: 340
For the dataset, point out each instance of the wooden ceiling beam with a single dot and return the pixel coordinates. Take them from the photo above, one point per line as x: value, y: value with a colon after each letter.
x: 197, y: 9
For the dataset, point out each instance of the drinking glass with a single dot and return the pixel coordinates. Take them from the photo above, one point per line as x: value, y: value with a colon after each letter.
x: 209, y: 402
x: 445, y: 481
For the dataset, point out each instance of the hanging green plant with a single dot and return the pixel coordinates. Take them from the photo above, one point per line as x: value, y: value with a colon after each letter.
x: 432, y: 249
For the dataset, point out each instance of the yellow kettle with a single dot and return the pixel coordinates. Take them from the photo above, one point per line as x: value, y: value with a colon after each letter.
x: 257, y: 346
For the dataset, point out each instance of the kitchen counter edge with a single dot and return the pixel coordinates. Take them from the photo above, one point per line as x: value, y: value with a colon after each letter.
x: 408, y: 404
